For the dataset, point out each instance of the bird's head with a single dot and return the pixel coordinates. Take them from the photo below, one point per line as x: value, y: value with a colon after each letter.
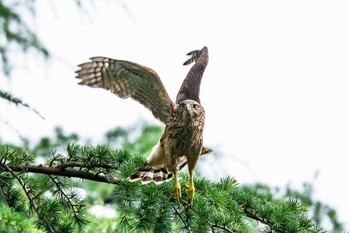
x: 190, y: 110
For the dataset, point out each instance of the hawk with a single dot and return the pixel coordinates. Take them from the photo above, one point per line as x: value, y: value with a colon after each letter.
x: 182, y: 140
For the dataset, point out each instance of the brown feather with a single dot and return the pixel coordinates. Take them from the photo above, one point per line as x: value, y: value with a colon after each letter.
x: 128, y: 79
x: 181, y: 142
x: 190, y: 88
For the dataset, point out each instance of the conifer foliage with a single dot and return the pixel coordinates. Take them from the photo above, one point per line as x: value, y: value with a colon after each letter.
x: 51, y: 193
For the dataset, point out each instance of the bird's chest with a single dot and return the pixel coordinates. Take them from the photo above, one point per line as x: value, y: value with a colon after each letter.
x: 182, y: 138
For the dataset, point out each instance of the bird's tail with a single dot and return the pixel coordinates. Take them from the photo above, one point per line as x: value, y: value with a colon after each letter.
x: 159, y: 174
x: 147, y: 174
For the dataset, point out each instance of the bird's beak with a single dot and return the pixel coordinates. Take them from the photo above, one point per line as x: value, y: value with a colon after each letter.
x: 187, y: 112
x: 189, y: 109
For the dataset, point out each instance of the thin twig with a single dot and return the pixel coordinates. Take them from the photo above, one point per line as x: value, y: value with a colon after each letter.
x: 58, y: 185
x: 180, y: 216
x: 221, y: 227
x: 28, y: 193
x: 24, y: 186
x: 251, y: 215
x: 6, y: 193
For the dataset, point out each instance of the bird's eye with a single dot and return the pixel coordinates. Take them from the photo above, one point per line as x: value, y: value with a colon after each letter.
x: 182, y: 105
x: 195, y: 106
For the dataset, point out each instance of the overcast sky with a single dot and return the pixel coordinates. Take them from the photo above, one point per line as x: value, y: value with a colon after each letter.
x: 276, y: 89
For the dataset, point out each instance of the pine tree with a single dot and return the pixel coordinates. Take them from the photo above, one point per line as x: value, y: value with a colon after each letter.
x: 56, y: 193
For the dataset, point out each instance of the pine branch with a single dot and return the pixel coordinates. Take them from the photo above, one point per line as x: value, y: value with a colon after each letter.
x: 220, y: 206
x: 221, y: 227
x: 82, y: 166
x: 88, y: 163
x: 68, y: 170
x: 49, y: 211
x: 25, y: 187
x: 7, y: 96
x: 251, y: 214
x: 31, y: 197
x: 71, y: 205
x: 16, y: 33
x: 177, y: 213
x: 71, y: 200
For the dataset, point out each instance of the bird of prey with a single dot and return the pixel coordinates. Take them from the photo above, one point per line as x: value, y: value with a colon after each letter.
x: 182, y: 140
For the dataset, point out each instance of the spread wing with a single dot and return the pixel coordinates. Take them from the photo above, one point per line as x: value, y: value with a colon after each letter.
x: 128, y: 79
x: 190, y: 87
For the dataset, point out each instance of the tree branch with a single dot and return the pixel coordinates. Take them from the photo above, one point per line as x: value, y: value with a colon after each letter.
x: 28, y: 192
x: 68, y: 199
x: 221, y: 227
x: 62, y: 170
x: 180, y: 216
x: 25, y: 187
x: 80, y: 165
x: 250, y: 214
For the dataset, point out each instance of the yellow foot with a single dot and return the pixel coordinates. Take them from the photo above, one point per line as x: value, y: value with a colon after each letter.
x: 190, y: 190
x: 177, y: 188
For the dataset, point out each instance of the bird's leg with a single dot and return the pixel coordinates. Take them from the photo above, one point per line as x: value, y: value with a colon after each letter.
x: 190, y: 188
x: 177, y: 187
x: 192, y: 160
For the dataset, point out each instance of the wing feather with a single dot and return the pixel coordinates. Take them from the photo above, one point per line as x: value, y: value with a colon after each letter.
x: 127, y: 79
x: 190, y: 87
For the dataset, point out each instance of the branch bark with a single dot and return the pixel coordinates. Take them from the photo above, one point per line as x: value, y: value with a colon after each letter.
x: 68, y: 170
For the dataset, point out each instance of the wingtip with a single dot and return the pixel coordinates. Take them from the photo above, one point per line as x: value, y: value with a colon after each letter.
x: 192, y: 52
x: 189, y: 61
x: 195, y: 55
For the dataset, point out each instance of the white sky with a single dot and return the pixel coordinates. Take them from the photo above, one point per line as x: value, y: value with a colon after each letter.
x: 276, y: 90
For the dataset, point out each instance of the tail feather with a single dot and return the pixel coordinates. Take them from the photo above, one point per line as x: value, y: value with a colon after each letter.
x: 159, y: 174
x: 149, y: 174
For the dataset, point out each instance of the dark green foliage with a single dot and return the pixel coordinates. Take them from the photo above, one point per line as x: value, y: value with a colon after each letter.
x: 318, y: 210
x: 13, y: 222
x: 50, y: 194
x: 50, y: 198
x: 54, y: 199
x: 303, y: 199
x: 12, y: 195
x: 219, y: 206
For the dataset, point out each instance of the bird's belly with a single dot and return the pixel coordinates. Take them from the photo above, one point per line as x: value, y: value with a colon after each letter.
x: 183, y: 141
